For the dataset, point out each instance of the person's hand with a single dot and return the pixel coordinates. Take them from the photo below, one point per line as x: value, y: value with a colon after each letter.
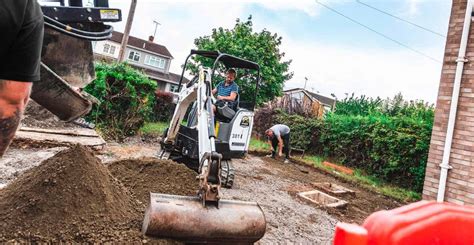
x: 220, y: 97
x: 280, y: 154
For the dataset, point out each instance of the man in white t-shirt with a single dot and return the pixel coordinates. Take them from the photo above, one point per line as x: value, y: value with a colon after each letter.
x: 279, y: 136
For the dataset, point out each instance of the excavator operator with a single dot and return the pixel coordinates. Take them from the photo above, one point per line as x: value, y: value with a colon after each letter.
x: 227, y: 91
x: 21, y: 22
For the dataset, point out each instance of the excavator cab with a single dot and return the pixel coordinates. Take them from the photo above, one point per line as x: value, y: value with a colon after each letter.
x: 207, y: 144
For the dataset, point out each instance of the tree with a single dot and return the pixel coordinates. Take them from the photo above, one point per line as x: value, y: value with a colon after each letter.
x: 261, y: 47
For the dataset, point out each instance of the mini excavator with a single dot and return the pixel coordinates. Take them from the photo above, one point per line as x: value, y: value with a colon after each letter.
x: 207, y: 142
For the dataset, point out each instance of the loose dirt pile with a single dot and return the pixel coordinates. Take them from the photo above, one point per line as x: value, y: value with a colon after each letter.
x: 73, y: 197
x: 68, y: 197
x: 143, y: 176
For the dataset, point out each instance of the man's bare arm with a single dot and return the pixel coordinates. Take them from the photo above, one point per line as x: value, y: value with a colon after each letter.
x: 231, y: 97
x: 280, y: 145
x: 8, y: 127
x: 13, y: 98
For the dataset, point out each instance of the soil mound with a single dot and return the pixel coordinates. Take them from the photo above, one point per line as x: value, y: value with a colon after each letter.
x: 143, y: 176
x: 69, y: 197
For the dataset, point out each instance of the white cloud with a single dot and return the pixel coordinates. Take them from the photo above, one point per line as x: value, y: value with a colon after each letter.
x: 413, y: 7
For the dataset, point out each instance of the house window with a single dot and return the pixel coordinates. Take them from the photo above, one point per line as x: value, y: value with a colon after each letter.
x: 134, y: 55
x: 106, y: 48
x: 298, y: 97
x: 174, y: 88
x: 112, y: 50
x: 109, y: 49
x: 155, y: 61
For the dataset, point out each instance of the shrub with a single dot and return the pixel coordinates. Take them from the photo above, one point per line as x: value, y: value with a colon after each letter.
x: 262, y: 121
x: 164, y: 108
x: 126, y: 96
x: 394, y: 149
x: 388, y: 139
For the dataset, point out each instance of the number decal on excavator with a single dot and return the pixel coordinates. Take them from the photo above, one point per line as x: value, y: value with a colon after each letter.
x: 237, y: 136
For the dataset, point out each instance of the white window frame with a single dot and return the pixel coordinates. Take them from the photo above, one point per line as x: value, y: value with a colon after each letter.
x: 155, y: 61
x: 112, y: 49
x: 136, y: 55
x: 106, y: 48
x: 174, y: 88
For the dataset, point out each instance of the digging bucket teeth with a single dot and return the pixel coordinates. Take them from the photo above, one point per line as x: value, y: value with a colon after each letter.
x: 186, y: 219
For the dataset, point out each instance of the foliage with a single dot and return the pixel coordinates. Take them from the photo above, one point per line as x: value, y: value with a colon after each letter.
x: 388, y: 139
x: 260, y: 47
x: 394, y: 149
x: 163, y: 108
x: 397, y: 106
x: 358, y: 105
x: 126, y: 99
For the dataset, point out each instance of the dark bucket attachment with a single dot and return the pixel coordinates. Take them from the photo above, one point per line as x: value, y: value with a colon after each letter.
x: 55, y: 94
x: 70, y: 58
x: 66, y: 66
x: 185, y: 219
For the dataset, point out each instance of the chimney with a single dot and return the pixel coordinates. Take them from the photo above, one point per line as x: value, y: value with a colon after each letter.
x: 151, y: 38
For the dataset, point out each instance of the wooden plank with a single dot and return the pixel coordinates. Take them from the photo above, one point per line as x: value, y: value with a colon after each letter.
x: 60, y: 138
x: 73, y: 132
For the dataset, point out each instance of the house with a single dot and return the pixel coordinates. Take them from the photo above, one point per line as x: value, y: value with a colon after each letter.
x: 300, y: 95
x: 152, y: 58
x: 449, y: 174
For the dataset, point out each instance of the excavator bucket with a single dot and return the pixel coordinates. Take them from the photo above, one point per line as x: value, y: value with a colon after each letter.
x: 186, y: 219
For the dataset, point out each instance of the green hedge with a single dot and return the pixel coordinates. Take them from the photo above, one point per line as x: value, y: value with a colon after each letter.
x: 394, y: 149
x: 127, y: 97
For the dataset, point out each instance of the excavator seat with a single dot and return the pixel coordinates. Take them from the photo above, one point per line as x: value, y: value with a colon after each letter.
x: 226, y: 110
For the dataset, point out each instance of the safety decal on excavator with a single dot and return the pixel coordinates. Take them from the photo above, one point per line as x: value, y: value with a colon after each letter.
x: 245, y: 121
x: 109, y: 14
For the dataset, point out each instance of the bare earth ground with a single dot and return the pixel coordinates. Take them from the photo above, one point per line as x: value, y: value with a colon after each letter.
x: 288, y: 219
x: 269, y: 182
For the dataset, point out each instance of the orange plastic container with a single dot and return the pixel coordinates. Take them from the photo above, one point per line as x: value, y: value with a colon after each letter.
x: 418, y: 223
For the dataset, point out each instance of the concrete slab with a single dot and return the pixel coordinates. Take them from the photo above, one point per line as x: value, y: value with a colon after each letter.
x: 322, y: 199
x: 334, y: 189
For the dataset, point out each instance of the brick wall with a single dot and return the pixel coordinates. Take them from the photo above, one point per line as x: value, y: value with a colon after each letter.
x: 460, y: 184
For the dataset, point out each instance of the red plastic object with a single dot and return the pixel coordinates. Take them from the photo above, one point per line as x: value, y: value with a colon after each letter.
x: 418, y: 223
x: 350, y: 234
x: 339, y: 168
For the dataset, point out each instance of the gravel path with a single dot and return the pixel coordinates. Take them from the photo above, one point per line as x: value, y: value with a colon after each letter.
x: 289, y: 220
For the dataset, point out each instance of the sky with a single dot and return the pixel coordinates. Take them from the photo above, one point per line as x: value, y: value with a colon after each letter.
x: 337, y: 55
